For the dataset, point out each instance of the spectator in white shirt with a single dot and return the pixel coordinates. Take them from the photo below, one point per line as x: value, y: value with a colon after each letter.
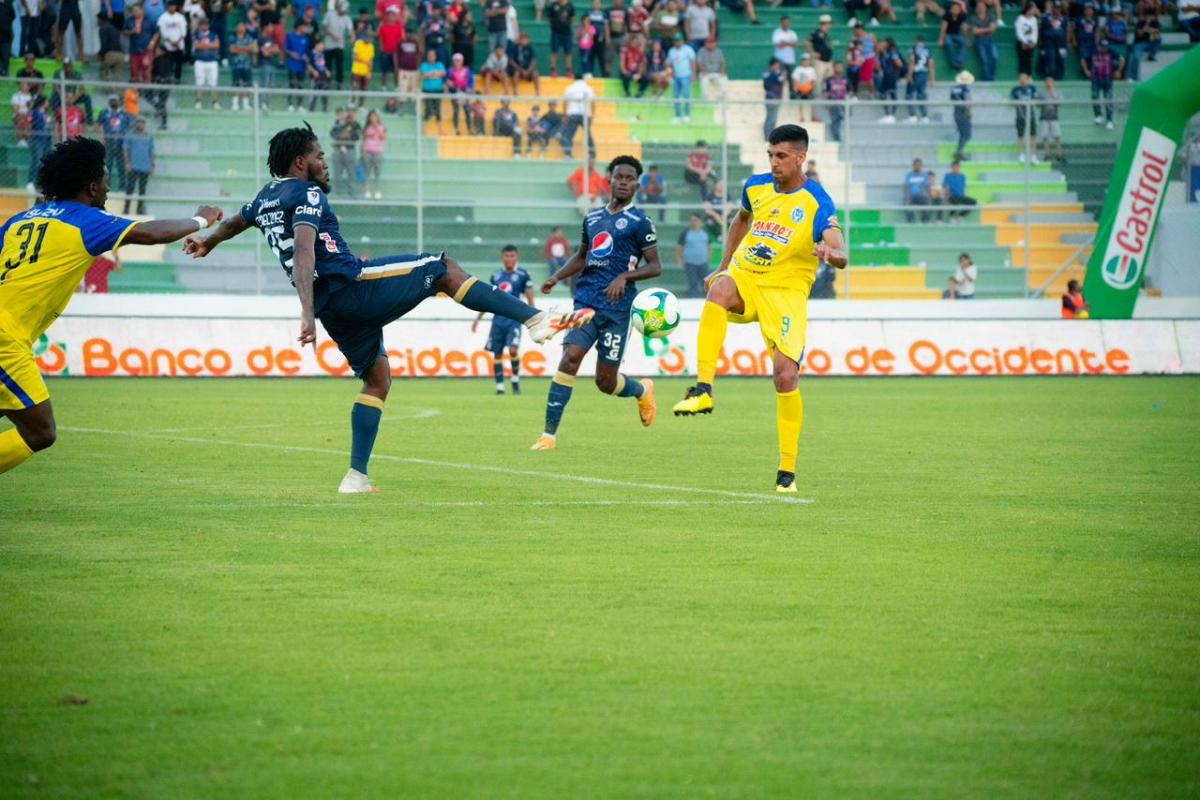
x: 962, y: 285
x: 784, y: 39
x: 578, y: 98
x: 172, y: 32
x: 1027, y: 38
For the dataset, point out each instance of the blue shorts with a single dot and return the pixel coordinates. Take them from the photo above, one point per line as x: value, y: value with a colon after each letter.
x: 608, y: 331
x: 386, y: 289
x: 562, y: 43
x: 242, y: 77
x: 505, y: 333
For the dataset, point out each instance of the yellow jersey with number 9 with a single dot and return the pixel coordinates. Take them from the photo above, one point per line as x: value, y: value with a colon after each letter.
x: 784, y: 228
x: 44, y: 253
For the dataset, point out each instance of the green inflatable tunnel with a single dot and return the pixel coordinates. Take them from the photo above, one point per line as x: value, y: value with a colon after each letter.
x: 1158, y: 116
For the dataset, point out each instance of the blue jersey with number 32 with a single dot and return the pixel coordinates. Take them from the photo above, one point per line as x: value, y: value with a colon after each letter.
x: 283, y: 204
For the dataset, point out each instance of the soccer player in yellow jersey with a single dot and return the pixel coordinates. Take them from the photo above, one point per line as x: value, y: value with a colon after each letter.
x: 785, y: 228
x: 44, y: 253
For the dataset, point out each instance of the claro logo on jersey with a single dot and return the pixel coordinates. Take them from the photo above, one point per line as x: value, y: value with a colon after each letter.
x: 602, y: 244
x: 308, y: 211
x: 1125, y: 252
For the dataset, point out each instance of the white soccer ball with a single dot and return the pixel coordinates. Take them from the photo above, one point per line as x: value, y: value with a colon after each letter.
x: 655, y: 312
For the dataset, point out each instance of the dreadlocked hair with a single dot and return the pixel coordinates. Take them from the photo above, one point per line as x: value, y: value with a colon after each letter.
x: 628, y: 161
x: 70, y: 167
x: 286, y: 146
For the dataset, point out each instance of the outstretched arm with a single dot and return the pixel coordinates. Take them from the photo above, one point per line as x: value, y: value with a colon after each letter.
x: 198, y: 247
x: 163, y: 231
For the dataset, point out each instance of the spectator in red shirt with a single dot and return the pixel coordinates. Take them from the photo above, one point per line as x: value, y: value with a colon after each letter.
x: 597, y: 187
x: 382, y: 7
x: 75, y: 118
x: 699, y: 168
x: 391, y: 34
x: 95, y: 281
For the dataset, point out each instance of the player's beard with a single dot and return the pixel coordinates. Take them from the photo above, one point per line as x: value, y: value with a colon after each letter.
x: 323, y: 183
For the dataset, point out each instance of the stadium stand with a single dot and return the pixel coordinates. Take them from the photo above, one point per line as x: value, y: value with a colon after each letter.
x: 469, y: 195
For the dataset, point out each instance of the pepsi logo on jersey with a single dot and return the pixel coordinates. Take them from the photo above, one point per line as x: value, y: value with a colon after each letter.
x: 505, y: 286
x: 602, y: 244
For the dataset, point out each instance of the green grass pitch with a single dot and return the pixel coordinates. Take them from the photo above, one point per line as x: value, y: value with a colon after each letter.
x: 995, y: 592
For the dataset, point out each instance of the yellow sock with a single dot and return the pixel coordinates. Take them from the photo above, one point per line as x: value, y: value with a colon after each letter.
x: 789, y: 416
x: 13, y: 450
x: 714, y: 322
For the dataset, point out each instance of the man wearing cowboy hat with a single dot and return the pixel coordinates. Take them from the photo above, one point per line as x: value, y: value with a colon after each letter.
x: 960, y: 96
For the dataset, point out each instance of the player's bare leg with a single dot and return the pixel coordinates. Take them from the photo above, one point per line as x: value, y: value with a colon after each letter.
x: 34, y: 430
x: 479, y: 296
x: 561, y: 386
x: 789, y: 417
x: 610, y: 381
x: 723, y: 298
x: 364, y: 426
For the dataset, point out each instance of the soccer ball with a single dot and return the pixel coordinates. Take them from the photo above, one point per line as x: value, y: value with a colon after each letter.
x: 655, y: 312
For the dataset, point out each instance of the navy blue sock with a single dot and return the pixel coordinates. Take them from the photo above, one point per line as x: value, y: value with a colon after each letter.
x: 556, y: 401
x: 364, y: 426
x: 498, y: 371
x: 515, y: 365
x: 628, y: 387
x: 479, y: 296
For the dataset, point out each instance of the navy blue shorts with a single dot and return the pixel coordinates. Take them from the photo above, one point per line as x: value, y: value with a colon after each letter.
x: 505, y: 333
x: 386, y: 290
x: 608, y: 331
x: 562, y: 43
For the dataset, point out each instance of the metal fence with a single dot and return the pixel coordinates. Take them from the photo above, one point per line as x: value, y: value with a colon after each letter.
x: 473, y: 191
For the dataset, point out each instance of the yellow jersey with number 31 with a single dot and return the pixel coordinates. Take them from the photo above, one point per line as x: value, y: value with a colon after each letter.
x: 44, y: 253
x: 784, y: 228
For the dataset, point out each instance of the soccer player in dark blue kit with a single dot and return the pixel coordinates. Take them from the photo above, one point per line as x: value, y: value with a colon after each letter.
x: 616, y: 238
x: 355, y: 298
x: 505, y: 333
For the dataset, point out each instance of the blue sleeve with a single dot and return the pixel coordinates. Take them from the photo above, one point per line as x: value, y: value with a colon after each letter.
x: 310, y: 207
x: 102, y: 231
x: 825, y: 218
x: 247, y: 212
x: 647, y: 236
x: 746, y: 197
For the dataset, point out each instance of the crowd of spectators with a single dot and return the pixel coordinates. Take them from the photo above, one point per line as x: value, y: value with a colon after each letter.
x: 816, y: 66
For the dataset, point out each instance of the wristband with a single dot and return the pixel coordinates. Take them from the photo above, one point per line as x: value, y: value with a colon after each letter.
x: 201, y: 221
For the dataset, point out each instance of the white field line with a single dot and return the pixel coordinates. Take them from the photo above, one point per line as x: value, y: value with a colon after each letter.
x: 555, y: 476
x: 418, y: 413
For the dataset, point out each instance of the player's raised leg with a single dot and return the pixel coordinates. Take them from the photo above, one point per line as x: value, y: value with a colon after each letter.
x: 723, y: 299
x: 610, y: 380
x: 469, y: 291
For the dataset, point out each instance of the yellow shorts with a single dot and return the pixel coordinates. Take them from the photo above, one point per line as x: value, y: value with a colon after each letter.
x: 21, y: 384
x: 781, y: 313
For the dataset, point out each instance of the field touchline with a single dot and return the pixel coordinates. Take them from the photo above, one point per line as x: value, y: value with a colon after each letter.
x: 417, y: 413
x: 168, y: 437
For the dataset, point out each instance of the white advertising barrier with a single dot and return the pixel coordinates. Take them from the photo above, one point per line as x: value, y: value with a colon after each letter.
x: 164, y: 346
